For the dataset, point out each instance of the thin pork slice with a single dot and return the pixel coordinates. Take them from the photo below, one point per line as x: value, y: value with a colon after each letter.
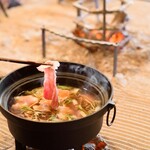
x: 23, y: 101
x: 50, y: 88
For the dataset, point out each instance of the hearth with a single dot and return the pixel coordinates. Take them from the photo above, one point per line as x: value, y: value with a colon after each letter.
x: 102, y: 35
x: 94, y: 21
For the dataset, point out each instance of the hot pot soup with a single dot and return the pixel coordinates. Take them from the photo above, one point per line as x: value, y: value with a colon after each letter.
x: 74, y: 103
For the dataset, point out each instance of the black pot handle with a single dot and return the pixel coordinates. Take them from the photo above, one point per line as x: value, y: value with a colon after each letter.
x: 110, y: 107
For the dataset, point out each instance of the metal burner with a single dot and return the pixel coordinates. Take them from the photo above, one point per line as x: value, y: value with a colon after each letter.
x: 20, y: 146
x: 96, y: 143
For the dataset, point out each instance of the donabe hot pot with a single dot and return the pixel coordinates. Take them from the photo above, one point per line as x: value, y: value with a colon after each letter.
x: 56, y: 135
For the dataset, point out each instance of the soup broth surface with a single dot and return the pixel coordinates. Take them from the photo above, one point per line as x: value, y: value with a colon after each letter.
x: 74, y: 103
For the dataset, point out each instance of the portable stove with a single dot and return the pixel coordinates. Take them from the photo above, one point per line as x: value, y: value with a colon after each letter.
x: 97, y: 143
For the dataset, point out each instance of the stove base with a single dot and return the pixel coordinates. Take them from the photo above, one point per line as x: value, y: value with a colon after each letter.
x: 96, y: 143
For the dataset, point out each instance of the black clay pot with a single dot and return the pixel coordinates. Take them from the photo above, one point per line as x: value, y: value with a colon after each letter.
x: 56, y: 135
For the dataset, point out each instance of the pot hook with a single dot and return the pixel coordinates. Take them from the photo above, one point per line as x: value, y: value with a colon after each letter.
x: 109, y: 123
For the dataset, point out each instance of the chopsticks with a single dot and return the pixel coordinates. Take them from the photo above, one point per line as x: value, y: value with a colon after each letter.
x: 23, y: 62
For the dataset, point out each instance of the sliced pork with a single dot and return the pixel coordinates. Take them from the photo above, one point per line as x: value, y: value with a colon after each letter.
x: 23, y: 101
x: 50, y: 88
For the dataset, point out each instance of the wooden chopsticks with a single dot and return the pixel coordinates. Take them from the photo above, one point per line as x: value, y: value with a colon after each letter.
x: 23, y: 62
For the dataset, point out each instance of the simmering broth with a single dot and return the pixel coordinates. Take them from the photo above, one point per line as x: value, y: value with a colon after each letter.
x: 74, y: 103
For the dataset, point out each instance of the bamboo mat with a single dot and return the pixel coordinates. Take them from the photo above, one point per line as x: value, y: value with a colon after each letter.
x: 130, y: 130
